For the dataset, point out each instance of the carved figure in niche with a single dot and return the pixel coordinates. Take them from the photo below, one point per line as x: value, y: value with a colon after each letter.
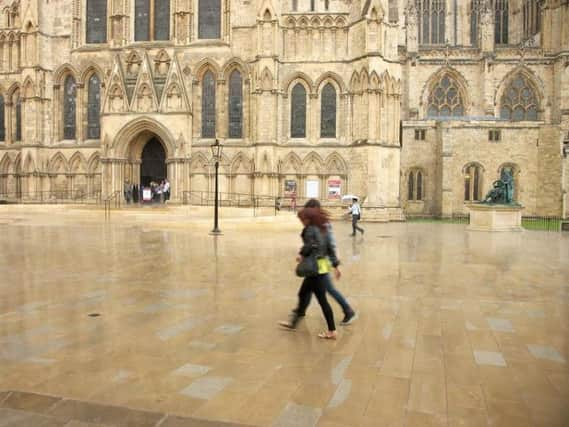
x: 144, y: 99
x: 162, y: 63
x: 174, y: 98
x: 133, y: 62
x: 116, y: 99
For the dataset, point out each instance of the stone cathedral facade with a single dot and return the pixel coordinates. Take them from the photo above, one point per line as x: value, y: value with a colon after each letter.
x: 415, y: 105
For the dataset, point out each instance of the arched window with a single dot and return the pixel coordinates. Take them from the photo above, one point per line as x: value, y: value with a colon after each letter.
x: 298, y: 112
x: 431, y: 21
x: 411, y: 186
x: 501, y: 21
x: 94, y: 108
x: 531, y: 18
x: 445, y: 99
x: 96, y: 21
x: 294, y: 5
x: 393, y: 11
x: 328, y: 112
x: 326, y: 4
x: 145, y: 27
x: 312, y: 5
x: 209, y: 19
x: 235, y: 105
x: 69, y: 101
x: 18, y: 127
x: 2, y: 122
x: 208, y: 105
x: 519, y: 101
x: 474, y: 21
x: 472, y: 183
x: 415, y: 185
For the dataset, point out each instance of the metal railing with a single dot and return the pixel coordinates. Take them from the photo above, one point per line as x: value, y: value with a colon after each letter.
x: 537, y: 223
x: 113, y: 198
x: 234, y: 200
x: 51, y: 197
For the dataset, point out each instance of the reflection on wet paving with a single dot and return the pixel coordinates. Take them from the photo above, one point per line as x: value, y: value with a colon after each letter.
x: 455, y: 328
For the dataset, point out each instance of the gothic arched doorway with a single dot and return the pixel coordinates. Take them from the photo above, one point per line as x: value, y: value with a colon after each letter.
x: 153, y: 162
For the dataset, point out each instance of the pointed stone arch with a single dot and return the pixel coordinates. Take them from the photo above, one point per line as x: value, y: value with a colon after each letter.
x: 77, y: 163
x: 336, y: 165
x: 88, y: 71
x: 6, y: 164
x: 63, y: 71
x: 199, y: 163
x: 94, y: 164
x: 131, y: 130
x: 205, y: 65
x: 58, y: 164
x: 291, y: 164
x: 534, y: 84
x: 292, y: 79
x: 29, y: 88
x: 375, y: 81
x: 312, y: 164
x: 432, y: 86
x: 330, y: 76
x: 355, y: 82
x: 241, y: 164
x: 266, y: 80
x: 235, y: 64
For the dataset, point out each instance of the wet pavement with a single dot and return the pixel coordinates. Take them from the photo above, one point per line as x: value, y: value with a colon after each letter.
x: 148, y: 314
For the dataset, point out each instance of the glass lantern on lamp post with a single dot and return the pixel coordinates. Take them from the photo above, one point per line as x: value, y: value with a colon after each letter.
x: 216, y: 151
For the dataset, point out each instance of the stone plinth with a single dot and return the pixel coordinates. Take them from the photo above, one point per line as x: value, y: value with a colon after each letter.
x: 495, y: 217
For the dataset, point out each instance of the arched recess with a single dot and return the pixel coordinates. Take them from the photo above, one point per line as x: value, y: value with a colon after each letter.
x: 6, y: 176
x: 58, y: 168
x: 78, y: 171
x: 240, y: 172
x: 473, y: 178
x: 529, y: 80
x: 336, y: 170
x: 237, y: 77
x: 290, y: 170
x: 312, y: 171
x: 446, y: 90
x: 199, y: 173
x: 127, y: 141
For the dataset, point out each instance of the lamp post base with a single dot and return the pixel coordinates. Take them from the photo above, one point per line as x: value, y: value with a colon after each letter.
x: 215, y: 232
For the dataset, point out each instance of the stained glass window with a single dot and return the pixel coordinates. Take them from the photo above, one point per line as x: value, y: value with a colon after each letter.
x: 519, y: 101
x: 328, y: 112
x: 294, y: 5
x: 393, y: 11
x: 96, y: 21
x: 501, y: 21
x: 298, y: 112
x: 445, y: 99
x: 142, y: 20
x: 208, y: 105
x: 209, y: 19
x: 2, y: 123
x: 69, y: 101
x: 474, y: 21
x: 161, y: 19
x: 411, y: 186
x: 431, y: 21
x: 18, y: 130
x: 235, y: 105
x: 94, y: 108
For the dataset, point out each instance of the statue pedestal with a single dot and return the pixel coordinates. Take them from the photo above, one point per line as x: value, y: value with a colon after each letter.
x: 495, y: 217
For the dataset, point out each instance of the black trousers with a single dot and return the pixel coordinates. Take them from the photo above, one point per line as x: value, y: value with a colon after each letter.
x: 355, y: 225
x: 315, y: 285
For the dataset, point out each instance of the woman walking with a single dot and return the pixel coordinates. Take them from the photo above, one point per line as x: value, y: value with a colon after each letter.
x: 349, y: 313
x: 314, y: 245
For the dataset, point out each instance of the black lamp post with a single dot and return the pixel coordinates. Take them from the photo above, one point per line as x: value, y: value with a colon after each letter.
x: 216, y: 150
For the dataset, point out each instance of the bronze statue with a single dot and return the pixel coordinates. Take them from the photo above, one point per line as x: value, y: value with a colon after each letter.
x: 502, y: 192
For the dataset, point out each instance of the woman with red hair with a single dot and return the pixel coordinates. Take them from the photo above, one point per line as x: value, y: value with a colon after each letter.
x: 314, y: 245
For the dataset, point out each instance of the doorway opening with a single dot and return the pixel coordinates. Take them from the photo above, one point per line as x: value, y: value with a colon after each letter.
x: 153, y: 166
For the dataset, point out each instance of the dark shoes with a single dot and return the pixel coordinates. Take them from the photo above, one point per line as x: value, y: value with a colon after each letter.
x: 297, y: 314
x: 349, y: 318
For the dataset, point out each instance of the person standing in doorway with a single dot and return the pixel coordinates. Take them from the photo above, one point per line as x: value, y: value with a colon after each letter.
x: 166, y: 190
x: 356, y: 211
x: 127, y: 189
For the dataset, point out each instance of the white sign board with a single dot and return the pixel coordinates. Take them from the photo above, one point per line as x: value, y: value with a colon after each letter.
x: 312, y: 189
x: 147, y: 194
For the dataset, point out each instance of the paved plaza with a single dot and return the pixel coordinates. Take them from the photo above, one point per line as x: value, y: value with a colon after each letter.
x: 148, y: 320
